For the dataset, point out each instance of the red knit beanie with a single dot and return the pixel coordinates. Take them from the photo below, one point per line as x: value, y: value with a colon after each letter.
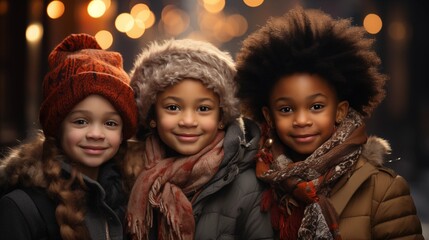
x: 79, y: 68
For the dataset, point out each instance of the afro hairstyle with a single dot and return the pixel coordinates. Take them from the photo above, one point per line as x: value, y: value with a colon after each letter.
x: 309, y: 41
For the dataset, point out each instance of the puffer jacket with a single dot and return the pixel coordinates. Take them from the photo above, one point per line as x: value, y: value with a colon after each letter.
x: 23, y: 169
x: 373, y: 202
x: 229, y: 205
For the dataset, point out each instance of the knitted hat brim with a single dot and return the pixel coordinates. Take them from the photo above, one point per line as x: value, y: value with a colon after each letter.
x: 69, y: 93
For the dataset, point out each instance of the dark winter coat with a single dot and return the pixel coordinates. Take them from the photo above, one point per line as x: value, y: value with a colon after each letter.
x: 13, y: 223
x: 229, y: 205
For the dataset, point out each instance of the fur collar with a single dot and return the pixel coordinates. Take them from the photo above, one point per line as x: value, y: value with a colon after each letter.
x: 375, y: 150
x: 23, y: 165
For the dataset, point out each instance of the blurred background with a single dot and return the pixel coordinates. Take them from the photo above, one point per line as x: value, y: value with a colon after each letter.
x: 30, y: 29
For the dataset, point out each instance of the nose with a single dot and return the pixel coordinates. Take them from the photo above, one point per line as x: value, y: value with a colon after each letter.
x: 95, y: 132
x: 301, y: 119
x: 188, y: 119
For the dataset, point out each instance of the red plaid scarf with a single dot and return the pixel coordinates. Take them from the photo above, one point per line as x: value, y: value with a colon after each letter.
x: 164, y: 184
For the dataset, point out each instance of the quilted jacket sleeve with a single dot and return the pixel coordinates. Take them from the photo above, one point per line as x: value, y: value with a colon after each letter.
x: 394, y: 213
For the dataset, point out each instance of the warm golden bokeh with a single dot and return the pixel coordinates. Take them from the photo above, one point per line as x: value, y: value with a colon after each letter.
x: 372, y: 23
x: 104, y: 39
x: 55, y: 9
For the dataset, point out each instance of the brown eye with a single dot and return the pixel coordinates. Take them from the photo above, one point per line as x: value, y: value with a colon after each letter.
x: 203, y: 109
x: 80, y: 122
x: 111, y: 123
x: 172, y: 108
x: 317, y: 107
x: 285, y: 109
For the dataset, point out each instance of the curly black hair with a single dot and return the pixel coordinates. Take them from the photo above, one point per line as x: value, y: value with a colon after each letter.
x: 309, y: 41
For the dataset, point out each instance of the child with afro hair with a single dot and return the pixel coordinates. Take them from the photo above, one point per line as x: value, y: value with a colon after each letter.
x: 311, y: 81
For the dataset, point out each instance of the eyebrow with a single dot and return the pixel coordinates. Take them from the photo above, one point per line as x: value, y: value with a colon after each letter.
x: 308, y: 98
x: 177, y: 99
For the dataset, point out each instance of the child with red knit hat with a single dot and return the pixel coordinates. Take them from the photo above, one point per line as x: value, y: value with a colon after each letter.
x: 311, y: 81
x: 66, y: 183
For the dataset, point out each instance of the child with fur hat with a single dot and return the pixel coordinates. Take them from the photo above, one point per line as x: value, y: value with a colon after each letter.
x: 71, y: 170
x: 311, y: 81
x: 195, y: 165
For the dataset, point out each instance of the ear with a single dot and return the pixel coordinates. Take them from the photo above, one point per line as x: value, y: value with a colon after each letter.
x: 152, y: 123
x: 267, y: 115
x: 342, y: 110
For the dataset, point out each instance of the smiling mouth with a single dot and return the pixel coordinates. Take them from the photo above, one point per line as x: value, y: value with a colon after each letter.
x: 94, y: 150
x: 187, y: 138
x: 304, y: 138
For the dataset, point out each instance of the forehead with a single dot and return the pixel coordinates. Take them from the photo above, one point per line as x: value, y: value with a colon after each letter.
x: 188, y: 88
x: 301, y: 85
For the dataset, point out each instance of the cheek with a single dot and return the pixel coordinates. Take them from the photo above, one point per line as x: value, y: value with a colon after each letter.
x: 116, y: 139
x: 328, y: 121
x: 210, y: 124
x: 69, y: 137
x: 281, y: 123
x: 166, y: 123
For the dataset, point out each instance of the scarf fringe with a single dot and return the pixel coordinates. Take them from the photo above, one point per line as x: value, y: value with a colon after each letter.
x: 290, y: 223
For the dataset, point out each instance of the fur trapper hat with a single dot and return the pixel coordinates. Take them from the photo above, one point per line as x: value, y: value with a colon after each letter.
x: 79, y: 68
x: 164, y: 64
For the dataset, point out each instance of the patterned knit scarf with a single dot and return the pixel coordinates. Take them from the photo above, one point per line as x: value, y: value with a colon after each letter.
x: 165, y: 183
x: 297, y: 199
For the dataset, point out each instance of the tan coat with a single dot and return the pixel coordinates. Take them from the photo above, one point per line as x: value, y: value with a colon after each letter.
x: 373, y: 202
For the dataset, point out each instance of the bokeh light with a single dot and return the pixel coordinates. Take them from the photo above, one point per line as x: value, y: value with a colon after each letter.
x: 55, y: 9
x: 4, y: 6
x: 253, y: 3
x: 34, y: 32
x: 135, y: 32
x: 237, y: 25
x: 397, y: 31
x: 96, y: 8
x: 219, y: 32
x: 214, y: 6
x: 107, y: 3
x: 136, y: 9
x: 124, y: 22
x: 142, y: 15
x: 104, y: 39
x: 150, y: 21
x: 175, y: 21
x: 372, y: 23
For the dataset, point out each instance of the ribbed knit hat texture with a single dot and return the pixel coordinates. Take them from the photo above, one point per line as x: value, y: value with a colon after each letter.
x: 166, y: 63
x: 79, y: 68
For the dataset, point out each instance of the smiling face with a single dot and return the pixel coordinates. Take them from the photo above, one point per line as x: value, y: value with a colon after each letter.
x: 91, y: 134
x: 303, y: 111
x: 187, y: 116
